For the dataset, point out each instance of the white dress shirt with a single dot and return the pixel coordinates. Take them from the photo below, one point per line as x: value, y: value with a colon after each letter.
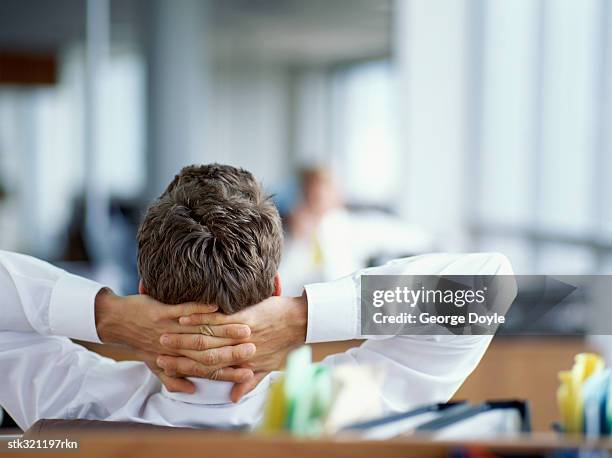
x: 45, y: 375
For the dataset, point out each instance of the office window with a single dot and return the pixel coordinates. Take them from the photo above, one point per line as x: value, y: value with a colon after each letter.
x: 542, y: 119
x: 517, y: 249
x: 42, y: 152
x: 508, y: 111
x: 563, y: 259
x: 364, y: 131
x: 606, y: 266
x: 41, y: 157
x: 571, y: 35
x: 123, y: 125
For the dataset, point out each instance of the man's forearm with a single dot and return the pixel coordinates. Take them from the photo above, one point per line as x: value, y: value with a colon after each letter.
x: 124, y: 321
x: 275, y: 335
x: 106, y: 316
x: 297, y: 320
x: 136, y: 321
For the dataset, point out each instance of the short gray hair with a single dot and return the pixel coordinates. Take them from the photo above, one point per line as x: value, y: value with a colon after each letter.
x: 213, y: 236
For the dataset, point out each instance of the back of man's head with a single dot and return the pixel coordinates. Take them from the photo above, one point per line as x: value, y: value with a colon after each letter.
x: 213, y: 236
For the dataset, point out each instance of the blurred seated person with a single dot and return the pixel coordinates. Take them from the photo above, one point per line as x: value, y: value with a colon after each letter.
x: 325, y: 240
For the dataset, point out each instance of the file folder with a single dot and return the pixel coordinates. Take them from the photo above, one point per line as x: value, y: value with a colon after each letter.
x: 455, y: 420
x: 396, y: 424
x: 492, y: 418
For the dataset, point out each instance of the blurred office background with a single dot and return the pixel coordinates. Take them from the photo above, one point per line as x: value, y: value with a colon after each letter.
x: 485, y: 123
x: 478, y: 125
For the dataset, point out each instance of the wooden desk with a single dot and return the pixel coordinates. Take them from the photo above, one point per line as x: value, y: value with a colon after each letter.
x: 209, y: 444
x: 524, y: 368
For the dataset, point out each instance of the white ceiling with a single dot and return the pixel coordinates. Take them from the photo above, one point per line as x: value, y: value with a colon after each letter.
x: 295, y: 31
x: 303, y: 31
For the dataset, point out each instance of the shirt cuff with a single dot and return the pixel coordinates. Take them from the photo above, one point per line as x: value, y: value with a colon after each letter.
x: 332, y: 311
x: 72, y: 308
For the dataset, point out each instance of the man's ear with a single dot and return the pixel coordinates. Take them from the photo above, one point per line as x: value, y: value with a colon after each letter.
x: 277, y: 285
x: 141, y: 288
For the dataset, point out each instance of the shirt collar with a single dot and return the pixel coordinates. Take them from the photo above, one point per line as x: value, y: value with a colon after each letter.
x: 207, y: 392
x: 211, y: 392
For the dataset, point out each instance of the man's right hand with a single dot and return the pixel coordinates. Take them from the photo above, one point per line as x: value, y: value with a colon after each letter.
x: 278, y: 324
x: 139, y: 322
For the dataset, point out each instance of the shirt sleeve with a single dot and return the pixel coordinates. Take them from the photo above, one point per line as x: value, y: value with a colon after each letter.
x: 52, y: 377
x: 39, y: 297
x: 334, y: 311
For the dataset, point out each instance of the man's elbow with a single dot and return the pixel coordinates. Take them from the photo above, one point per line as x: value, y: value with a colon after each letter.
x: 501, y: 263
